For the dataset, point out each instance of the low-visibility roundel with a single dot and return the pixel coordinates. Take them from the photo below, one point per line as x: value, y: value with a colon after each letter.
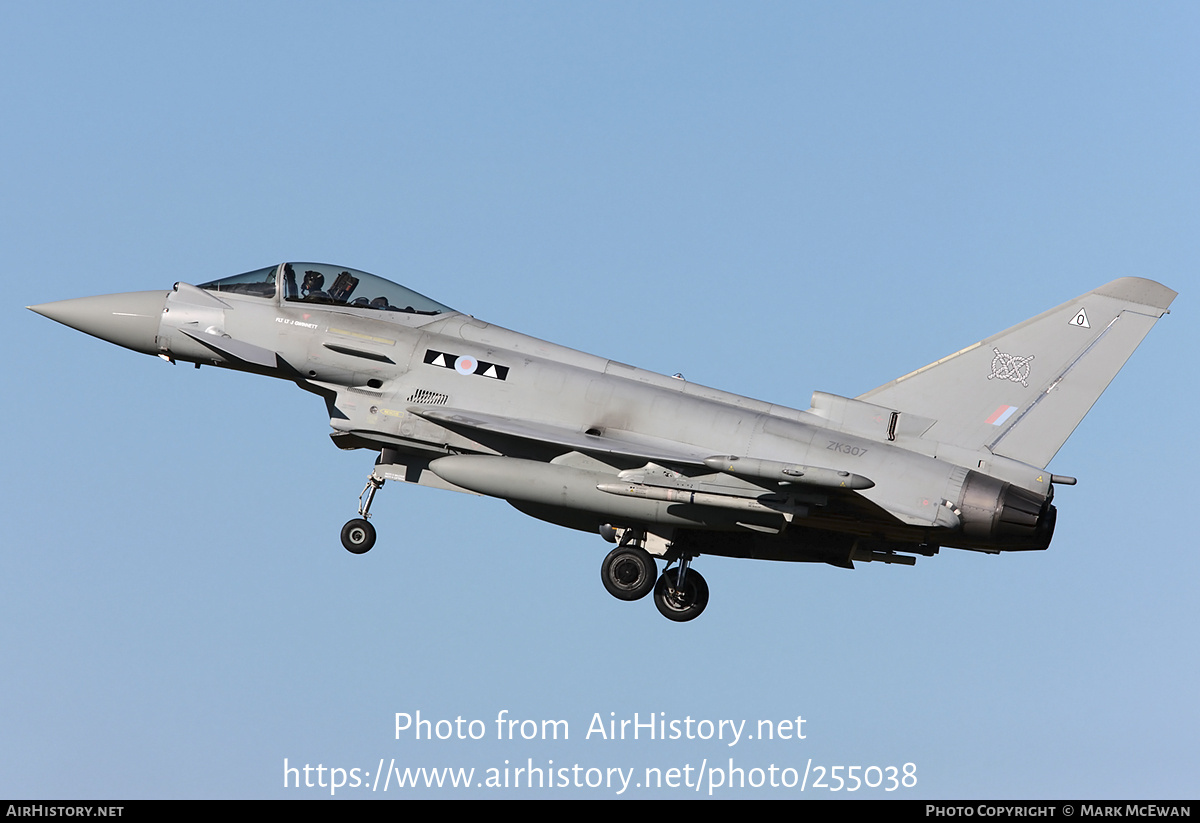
x: 465, y: 364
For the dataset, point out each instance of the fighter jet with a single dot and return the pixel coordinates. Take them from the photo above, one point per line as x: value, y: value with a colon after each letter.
x: 951, y: 455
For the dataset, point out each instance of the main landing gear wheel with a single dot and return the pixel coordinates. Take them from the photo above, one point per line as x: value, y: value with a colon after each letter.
x: 628, y: 572
x: 681, y: 604
x: 358, y: 536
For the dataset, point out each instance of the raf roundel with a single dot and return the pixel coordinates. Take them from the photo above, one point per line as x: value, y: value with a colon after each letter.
x: 465, y: 365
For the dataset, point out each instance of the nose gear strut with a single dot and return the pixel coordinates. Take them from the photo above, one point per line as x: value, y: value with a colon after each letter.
x: 358, y: 535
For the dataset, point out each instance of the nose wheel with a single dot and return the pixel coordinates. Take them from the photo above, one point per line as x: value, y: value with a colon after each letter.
x: 358, y: 535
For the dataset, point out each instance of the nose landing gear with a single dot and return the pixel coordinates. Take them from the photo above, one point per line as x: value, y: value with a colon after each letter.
x: 358, y: 535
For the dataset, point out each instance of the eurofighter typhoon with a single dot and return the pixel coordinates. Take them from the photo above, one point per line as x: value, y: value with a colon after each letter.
x: 952, y: 455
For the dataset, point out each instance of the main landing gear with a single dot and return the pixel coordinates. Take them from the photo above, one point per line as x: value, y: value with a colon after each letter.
x: 629, y: 572
x: 358, y: 535
x: 681, y: 594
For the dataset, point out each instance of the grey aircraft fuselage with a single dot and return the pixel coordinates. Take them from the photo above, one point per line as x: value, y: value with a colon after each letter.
x: 952, y: 455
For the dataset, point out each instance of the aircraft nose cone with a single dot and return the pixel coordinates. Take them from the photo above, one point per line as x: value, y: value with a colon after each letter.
x: 130, y: 320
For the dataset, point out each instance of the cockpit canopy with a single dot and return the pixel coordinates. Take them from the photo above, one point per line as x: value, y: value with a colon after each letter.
x: 328, y: 285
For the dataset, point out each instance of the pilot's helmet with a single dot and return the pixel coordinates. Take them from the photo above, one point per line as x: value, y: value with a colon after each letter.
x: 380, y: 302
x: 313, y: 281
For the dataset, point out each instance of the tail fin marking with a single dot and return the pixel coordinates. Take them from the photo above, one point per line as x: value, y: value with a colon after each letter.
x: 1023, y: 391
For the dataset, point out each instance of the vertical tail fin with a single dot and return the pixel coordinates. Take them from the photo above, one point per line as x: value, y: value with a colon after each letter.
x: 1022, y: 392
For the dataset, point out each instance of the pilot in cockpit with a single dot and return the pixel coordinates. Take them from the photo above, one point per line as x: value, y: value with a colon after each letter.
x: 311, y: 288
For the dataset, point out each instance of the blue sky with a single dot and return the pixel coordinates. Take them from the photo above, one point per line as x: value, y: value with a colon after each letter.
x: 769, y: 199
